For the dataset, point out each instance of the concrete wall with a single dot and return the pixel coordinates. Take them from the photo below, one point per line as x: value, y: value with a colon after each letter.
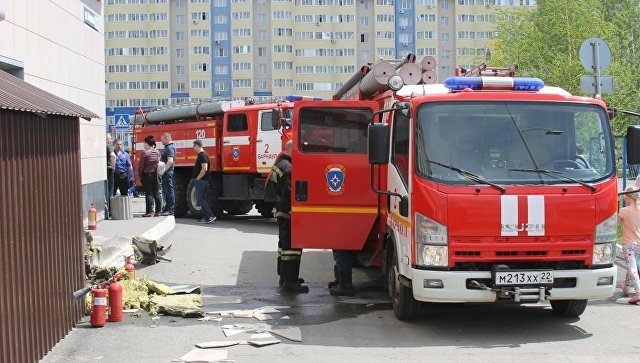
x: 62, y: 54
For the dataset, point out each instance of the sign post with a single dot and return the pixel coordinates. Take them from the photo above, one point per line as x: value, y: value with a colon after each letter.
x: 121, y: 122
x: 595, y: 57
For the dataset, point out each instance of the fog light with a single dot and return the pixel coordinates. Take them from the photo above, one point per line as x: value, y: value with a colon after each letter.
x: 433, y: 284
x: 605, y: 281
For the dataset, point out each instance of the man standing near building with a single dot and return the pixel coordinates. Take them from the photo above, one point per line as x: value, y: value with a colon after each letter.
x: 123, y: 172
x: 201, y: 180
x: 288, y: 258
x: 168, y: 157
x: 111, y: 165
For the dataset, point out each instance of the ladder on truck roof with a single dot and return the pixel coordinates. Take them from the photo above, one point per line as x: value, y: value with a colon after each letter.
x: 483, y: 71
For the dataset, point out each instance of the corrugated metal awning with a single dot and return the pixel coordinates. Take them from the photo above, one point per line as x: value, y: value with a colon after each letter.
x: 16, y: 94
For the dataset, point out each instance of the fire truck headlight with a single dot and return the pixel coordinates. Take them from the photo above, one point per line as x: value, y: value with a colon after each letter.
x: 604, y: 254
x: 431, y: 242
x: 604, y: 249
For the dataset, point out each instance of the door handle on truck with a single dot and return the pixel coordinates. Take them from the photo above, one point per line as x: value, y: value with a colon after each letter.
x: 301, y: 190
x: 259, y: 140
x: 226, y: 142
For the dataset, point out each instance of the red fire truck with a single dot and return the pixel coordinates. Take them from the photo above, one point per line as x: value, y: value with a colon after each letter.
x: 242, y: 140
x: 487, y: 187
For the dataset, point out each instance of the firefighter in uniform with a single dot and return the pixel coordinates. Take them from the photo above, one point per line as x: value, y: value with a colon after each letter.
x: 343, y: 284
x: 288, y: 258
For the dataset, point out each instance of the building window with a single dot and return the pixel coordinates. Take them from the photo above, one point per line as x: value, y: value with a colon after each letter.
x: 179, y: 35
x: 179, y: 70
x: 179, y: 53
x: 180, y: 19
x: 262, y: 68
x: 262, y: 51
x: 180, y: 87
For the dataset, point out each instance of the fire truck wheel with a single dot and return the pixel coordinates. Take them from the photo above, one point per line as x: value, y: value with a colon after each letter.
x: 192, y: 201
x: 568, y: 308
x: 405, y: 307
x: 180, y: 186
x: 238, y: 207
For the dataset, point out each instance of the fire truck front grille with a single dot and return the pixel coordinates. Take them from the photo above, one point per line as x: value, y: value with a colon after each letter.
x: 467, y: 253
x: 558, y: 283
x: 520, y: 265
x: 573, y: 252
x: 520, y: 253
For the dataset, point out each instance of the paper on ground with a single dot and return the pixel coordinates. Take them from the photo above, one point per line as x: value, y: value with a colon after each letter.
x: 218, y: 344
x: 204, y: 355
x: 293, y: 334
x: 261, y: 336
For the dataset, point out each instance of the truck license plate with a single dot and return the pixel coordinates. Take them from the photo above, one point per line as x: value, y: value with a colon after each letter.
x: 510, y: 278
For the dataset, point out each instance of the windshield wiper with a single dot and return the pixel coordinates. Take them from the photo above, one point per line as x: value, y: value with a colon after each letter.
x: 469, y: 175
x: 556, y: 174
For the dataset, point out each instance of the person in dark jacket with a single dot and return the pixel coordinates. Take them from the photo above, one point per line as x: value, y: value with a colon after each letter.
x: 201, y: 180
x: 288, y: 258
x: 168, y: 158
x: 148, y: 168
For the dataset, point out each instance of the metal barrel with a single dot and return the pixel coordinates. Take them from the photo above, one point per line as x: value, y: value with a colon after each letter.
x: 353, y: 81
x: 429, y: 77
x: 428, y: 63
x: 410, y: 58
x: 186, y: 112
x: 410, y: 73
x: 376, y: 80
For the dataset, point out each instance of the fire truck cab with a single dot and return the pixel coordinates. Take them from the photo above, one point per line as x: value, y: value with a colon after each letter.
x: 473, y: 191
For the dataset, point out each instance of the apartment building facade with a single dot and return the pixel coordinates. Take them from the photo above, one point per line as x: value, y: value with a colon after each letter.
x: 161, y: 52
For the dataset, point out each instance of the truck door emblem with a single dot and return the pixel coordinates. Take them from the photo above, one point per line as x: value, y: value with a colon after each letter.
x: 235, y: 153
x: 335, y: 179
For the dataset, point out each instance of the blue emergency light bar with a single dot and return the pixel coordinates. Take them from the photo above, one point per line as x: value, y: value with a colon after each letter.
x: 493, y: 83
x: 293, y: 98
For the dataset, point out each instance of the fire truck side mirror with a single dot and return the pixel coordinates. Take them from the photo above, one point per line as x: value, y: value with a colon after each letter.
x: 633, y: 144
x: 378, y: 146
x: 403, y: 206
x: 275, y: 118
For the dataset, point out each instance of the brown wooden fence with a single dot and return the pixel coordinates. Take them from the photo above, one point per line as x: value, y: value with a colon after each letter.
x: 41, y: 243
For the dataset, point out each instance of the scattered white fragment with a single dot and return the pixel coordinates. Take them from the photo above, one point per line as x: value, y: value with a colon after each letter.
x: 358, y: 301
x: 243, y: 314
x: 230, y: 332
x: 204, y: 355
x: 130, y: 310
x: 261, y: 336
x: 263, y: 342
x: 293, y: 334
x: 218, y: 344
x: 278, y: 307
x: 267, y: 310
x: 210, y: 318
x: 286, y: 317
x: 262, y: 317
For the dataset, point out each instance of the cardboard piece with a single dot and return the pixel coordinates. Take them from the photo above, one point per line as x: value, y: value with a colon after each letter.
x: 261, y: 336
x: 262, y: 317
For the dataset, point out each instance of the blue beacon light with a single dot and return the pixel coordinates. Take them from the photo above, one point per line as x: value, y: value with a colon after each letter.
x: 477, y: 83
x: 293, y: 98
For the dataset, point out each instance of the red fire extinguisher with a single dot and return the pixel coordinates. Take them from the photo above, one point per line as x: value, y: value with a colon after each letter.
x: 115, y: 301
x: 130, y: 268
x: 93, y: 218
x: 99, y: 307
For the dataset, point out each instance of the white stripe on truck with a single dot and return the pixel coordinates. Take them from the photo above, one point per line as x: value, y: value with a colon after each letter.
x: 181, y: 144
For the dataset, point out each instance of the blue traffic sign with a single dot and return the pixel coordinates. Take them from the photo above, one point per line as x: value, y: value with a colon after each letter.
x: 121, y: 121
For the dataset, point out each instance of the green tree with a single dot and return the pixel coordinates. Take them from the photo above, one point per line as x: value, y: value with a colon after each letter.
x: 545, y: 42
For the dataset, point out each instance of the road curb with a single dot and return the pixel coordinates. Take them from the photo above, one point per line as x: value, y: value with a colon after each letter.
x: 160, y: 230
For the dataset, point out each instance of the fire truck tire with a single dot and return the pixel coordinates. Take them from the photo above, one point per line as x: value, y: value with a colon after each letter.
x: 180, y: 187
x: 192, y: 202
x: 238, y: 207
x: 265, y: 209
x: 568, y: 308
x: 405, y: 307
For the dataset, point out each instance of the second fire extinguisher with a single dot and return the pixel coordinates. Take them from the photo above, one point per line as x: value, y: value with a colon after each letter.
x: 115, y: 301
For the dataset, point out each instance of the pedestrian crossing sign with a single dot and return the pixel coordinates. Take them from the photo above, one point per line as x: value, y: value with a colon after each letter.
x: 121, y: 121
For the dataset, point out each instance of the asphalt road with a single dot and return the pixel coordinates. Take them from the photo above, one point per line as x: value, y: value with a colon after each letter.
x: 234, y: 262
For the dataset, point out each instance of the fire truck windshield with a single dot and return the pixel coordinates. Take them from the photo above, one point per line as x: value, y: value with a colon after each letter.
x: 506, y: 142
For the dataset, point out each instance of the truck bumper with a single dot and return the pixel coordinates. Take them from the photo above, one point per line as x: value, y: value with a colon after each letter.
x: 455, y: 289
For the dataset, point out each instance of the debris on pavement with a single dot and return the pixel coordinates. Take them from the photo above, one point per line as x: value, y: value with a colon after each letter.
x: 204, y: 355
x: 293, y: 334
x: 218, y: 344
x: 160, y: 289
x: 187, y: 305
x: 263, y: 342
x: 231, y: 332
x: 149, y: 251
x: 210, y: 318
x: 260, y: 314
x: 185, y: 289
x: 262, y: 317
